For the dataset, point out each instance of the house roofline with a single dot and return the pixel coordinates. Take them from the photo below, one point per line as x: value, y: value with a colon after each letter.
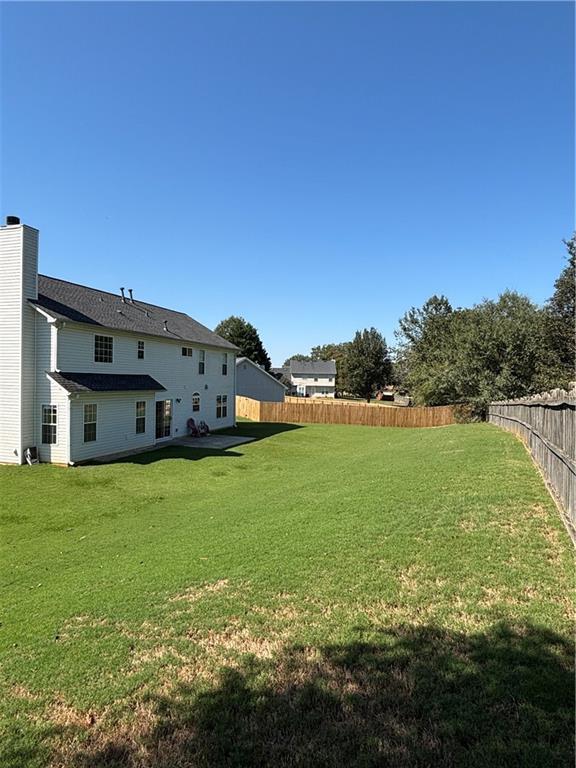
x: 255, y: 365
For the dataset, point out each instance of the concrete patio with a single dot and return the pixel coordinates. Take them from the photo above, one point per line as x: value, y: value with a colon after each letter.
x: 210, y: 442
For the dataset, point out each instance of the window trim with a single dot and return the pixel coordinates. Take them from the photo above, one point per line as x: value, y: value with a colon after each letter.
x: 49, y: 424
x: 140, y: 348
x: 187, y: 351
x: 201, y: 362
x: 224, y: 364
x: 142, y: 417
x: 196, y: 406
x: 103, y: 336
x: 88, y: 423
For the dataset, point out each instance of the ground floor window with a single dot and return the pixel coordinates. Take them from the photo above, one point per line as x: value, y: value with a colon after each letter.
x: 221, y: 406
x: 163, y: 419
x: 49, y: 418
x: 90, y: 411
x: 140, y: 417
x: 196, y: 402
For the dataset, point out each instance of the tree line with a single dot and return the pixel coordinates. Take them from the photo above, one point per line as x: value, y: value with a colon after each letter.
x: 496, y: 350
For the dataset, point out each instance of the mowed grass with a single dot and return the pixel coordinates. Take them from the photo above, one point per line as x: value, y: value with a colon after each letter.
x: 323, y: 596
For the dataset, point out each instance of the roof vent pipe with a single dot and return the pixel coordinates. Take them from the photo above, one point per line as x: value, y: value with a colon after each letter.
x: 165, y: 325
x: 131, y: 296
x: 11, y: 220
x: 122, y: 292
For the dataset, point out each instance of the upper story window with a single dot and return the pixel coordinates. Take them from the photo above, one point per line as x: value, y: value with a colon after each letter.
x: 140, y: 350
x: 196, y: 402
x: 224, y: 364
x: 90, y: 410
x: 103, y: 349
x: 49, y: 418
x: 187, y: 351
x: 201, y: 361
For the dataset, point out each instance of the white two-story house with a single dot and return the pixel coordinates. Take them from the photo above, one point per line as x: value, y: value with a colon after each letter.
x: 313, y: 379
x: 85, y: 373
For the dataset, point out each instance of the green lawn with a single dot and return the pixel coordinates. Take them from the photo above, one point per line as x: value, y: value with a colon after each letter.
x: 324, y: 596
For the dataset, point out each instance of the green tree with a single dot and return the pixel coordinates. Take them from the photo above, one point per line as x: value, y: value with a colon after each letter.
x: 489, y: 352
x: 368, y: 365
x: 421, y: 339
x: 245, y: 336
x: 559, y: 340
x: 301, y: 358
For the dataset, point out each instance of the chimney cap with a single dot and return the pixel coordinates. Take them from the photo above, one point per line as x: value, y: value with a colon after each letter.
x: 12, y: 220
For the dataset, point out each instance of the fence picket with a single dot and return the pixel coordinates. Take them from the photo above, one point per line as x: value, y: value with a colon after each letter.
x: 547, y: 425
x: 339, y: 412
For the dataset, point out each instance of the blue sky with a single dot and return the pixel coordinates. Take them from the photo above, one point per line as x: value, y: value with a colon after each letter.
x: 315, y: 167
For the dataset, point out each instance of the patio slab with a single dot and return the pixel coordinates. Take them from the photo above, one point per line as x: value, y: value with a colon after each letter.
x: 216, y: 442
x: 212, y: 442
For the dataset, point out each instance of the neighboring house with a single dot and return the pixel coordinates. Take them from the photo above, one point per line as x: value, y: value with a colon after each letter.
x: 314, y: 379
x: 86, y: 373
x: 283, y: 375
x: 253, y: 381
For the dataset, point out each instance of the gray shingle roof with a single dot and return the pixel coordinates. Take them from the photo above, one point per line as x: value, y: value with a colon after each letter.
x: 80, y: 304
x: 322, y: 367
x: 77, y: 383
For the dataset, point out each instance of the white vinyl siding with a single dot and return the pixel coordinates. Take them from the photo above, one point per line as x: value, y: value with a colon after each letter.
x: 321, y: 385
x: 164, y: 363
x: 47, y: 391
x: 18, y: 282
x: 115, y: 425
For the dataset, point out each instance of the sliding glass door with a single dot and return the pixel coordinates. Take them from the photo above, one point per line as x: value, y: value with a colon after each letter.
x: 163, y: 419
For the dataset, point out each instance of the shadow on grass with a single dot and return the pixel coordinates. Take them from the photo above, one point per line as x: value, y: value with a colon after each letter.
x: 259, y: 430
x: 256, y: 431
x: 410, y: 696
x: 175, y: 452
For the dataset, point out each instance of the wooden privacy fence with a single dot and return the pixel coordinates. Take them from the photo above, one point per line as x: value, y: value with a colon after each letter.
x: 547, y: 424
x: 305, y: 411
x: 337, y: 401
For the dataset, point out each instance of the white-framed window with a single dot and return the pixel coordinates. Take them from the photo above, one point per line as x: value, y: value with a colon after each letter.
x: 195, y: 402
x: 103, y: 349
x: 201, y: 362
x: 140, y: 417
x: 221, y: 406
x: 187, y: 351
x: 90, y: 414
x: 49, y: 424
x: 224, y: 364
x: 140, y: 350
